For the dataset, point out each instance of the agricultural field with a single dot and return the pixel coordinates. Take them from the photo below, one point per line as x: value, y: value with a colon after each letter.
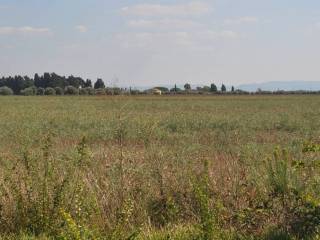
x: 160, y: 167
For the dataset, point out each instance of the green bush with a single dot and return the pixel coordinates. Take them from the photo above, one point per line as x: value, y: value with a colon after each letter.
x: 71, y: 90
x: 135, y: 92
x: 83, y: 91
x: 29, y: 91
x: 91, y: 91
x: 5, y: 91
x: 40, y: 91
x: 116, y: 91
x: 59, y: 90
x: 50, y: 91
x: 100, y: 91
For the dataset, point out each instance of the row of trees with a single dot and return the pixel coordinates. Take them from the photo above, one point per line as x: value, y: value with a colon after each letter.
x: 54, y: 84
x: 187, y: 88
x: 213, y: 88
x: 68, y: 90
x: 48, y: 80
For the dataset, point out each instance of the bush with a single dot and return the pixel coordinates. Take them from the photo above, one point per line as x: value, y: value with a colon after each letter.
x: 116, y: 91
x: 91, y: 91
x: 83, y: 91
x: 109, y: 91
x: 71, y: 90
x: 59, y: 90
x: 100, y: 91
x: 135, y: 92
x: 30, y: 91
x: 5, y: 91
x: 40, y: 91
x: 50, y: 91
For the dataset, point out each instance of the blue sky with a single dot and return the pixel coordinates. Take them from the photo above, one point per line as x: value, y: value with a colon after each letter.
x: 142, y: 43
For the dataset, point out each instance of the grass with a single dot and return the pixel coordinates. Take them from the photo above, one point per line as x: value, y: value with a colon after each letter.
x: 148, y: 167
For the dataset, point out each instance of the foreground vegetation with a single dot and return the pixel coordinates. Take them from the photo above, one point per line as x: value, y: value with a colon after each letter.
x: 224, y: 167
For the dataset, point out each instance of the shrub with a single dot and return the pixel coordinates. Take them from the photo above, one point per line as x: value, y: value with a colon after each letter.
x: 175, y: 90
x: 5, y: 91
x: 40, y: 91
x: 59, y: 90
x: 70, y: 90
x: 116, y: 91
x: 135, y: 92
x: 91, y: 91
x: 30, y: 91
x: 83, y: 91
x: 50, y: 91
x: 109, y: 91
x: 100, y: 91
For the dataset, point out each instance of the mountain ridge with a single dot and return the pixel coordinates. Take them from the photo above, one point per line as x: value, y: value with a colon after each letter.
x: 281, y: 85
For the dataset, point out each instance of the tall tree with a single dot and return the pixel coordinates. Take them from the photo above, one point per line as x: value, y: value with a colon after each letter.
x: 88, y: 83
x: 223, y: 88
x: 213, y: 88
x: 187, y: 87
x: 28, y: 82
x: 37, y: 80
x: 99, y: 84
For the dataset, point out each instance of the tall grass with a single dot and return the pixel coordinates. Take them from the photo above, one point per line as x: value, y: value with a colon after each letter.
x: 154, y: 168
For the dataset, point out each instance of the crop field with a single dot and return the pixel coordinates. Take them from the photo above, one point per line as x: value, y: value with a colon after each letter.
x: 160, y: 167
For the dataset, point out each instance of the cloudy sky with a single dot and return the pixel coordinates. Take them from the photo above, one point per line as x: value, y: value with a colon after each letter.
x: 142, y: 43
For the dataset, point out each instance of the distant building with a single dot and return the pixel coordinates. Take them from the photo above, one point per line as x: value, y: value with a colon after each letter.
x: 156, y: 91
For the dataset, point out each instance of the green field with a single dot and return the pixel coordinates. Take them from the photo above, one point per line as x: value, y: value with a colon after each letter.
x: 160, y: 167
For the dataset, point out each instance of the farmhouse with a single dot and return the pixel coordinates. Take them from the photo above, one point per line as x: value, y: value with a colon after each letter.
x: 154, y: 91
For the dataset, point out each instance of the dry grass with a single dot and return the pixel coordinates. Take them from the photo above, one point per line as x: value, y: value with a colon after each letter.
x: 158, y: 167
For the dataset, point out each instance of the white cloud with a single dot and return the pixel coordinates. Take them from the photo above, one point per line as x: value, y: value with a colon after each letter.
x: 23, y: 30
x: 81, y: 28
x: 191, y: 8
x: 163, y: 23
x: 157, y: 41
x: 241, y: 20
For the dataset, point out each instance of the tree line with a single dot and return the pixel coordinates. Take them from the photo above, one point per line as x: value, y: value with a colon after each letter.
x: 54, y: 84
x: 46, y: 83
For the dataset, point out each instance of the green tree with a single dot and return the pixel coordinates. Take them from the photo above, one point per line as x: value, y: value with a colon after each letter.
x: 232, y: 89
x: 37, y: 80
x: 83, y: 91
x: 16, y: 84
x: 71, y: 90
x: 5, y: 91
x: 91, y: 91
x: 213, y: 88
x: 187, y: 87
x: 40, y: 91
x: 223, y: 88
x: 88, y: 83
x: 59, y: 90
x: 30, y: 91
x: 99, y: 84
x: 175, y: 89
x: 206, y: 89
x: 49, y: 91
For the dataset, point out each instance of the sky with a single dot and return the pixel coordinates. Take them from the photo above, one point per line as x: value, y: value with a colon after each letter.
x: 145, y: 43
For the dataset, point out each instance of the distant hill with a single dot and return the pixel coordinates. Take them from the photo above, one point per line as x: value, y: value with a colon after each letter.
x: 282, y: 85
